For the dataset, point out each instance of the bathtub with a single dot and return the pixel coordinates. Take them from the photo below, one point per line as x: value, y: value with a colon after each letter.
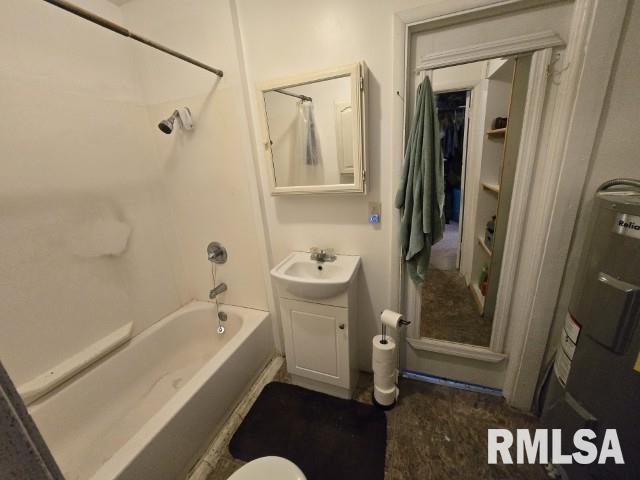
x: 149, y: 409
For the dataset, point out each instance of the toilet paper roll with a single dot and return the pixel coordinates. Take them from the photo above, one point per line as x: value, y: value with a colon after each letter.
x: 384, y: 382
x: 383, y: 368
x: 391, y: 318
x: 384, y: 352
x: 384, y: 397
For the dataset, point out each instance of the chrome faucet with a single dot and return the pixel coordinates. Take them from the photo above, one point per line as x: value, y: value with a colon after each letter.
x: 323, y: 255
x: 217, y: 291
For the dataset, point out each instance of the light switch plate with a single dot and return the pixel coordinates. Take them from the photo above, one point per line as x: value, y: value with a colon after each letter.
x: 374, y: 212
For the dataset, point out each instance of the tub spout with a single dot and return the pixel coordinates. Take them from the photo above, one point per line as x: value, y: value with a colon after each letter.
x: 217, y: 290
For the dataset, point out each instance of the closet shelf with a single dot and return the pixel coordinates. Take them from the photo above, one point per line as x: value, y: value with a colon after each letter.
x: 477, y: 296
x: 484, y: 245
x: 492, y: 187
x: 497, y: 132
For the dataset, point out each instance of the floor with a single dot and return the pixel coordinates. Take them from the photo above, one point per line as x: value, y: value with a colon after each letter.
x: 449, y: 311
x: 444, y: 254
x: 434, y: 433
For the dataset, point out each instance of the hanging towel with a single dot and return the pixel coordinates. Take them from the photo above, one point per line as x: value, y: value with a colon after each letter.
x: 421, y: 192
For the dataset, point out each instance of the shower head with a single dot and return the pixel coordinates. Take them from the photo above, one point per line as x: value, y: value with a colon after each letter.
x: 183, y: 115
x: 167, y: 125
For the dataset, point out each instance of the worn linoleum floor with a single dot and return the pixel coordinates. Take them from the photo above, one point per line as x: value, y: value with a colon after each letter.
x: 434, y: 433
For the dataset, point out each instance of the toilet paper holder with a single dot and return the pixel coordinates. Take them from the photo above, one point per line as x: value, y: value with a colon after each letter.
x: 401, y: 323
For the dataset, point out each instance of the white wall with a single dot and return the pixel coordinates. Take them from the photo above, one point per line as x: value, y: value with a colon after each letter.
x: 317, y: 35
x: 287, y: 37
x: 104, y: 220
x: 458, y: 77
x: 615, y: 154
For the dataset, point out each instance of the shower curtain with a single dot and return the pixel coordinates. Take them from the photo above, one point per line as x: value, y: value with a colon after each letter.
x: 307, y: 136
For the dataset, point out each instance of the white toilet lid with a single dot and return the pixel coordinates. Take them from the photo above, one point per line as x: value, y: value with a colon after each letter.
x: 269, y: 468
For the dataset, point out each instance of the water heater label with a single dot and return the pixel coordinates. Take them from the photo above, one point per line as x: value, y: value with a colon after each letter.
x: 571, y: 328
x: 627, y: 225
x: 561, y: 367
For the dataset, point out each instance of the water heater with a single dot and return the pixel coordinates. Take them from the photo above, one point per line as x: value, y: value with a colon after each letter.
x: 596, y: 376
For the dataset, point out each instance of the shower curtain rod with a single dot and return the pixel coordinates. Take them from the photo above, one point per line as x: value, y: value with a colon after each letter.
x: 114, y: 27
x: 304, y: 98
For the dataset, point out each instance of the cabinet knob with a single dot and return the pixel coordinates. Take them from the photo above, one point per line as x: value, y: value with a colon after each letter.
x: 341, y: 326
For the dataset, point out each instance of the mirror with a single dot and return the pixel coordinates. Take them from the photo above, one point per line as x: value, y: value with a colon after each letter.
x: 314, y: 131
x: 479, y: 147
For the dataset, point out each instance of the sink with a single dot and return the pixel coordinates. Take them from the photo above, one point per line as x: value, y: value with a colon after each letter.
x: 307, y: 278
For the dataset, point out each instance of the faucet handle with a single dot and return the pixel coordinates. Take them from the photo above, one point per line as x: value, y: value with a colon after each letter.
x: 329, y: 255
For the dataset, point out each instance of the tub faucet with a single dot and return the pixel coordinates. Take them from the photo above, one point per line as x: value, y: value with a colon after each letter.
x: 217, y: 291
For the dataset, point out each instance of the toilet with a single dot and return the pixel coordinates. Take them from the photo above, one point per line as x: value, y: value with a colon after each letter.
x: 269, y: 468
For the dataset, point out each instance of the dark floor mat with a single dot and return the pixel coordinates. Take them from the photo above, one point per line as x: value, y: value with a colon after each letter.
x: 326, y: 437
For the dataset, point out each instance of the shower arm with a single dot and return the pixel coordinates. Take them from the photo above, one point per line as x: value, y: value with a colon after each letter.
x: 304, y: 98
x: 114, y: 27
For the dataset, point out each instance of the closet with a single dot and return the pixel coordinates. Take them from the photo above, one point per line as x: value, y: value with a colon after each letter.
x: 498, y: 115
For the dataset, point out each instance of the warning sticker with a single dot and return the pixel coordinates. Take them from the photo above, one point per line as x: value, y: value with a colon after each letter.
x: 572, y: 328
x: 561, y: 367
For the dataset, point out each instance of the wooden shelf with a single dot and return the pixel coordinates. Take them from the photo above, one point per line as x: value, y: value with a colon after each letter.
x: 492, y: 187
x: 477, y: 296
x: 484, y: 245
x: 497, y: 132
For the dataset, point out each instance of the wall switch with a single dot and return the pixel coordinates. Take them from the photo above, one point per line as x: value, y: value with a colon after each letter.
x: 374, y: 213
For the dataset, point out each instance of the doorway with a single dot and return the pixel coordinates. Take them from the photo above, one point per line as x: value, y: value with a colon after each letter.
x: 557, y: 128
x: 448, y: 311
x: 458, y: 298
x: 452, y: 117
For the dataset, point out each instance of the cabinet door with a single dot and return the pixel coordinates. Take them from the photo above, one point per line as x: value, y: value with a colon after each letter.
x: 316, y: 341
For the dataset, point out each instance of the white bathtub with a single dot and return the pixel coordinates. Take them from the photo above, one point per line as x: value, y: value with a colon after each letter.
x: 149, y: 409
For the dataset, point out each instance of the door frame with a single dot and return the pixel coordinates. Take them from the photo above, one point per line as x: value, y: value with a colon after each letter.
x: 550, y: 206
x: 463, y: 179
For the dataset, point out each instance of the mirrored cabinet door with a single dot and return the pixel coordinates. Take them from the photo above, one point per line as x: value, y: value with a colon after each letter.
x: 313, y: 127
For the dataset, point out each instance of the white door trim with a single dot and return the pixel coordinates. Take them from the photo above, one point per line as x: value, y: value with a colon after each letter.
x: 593, y: 43
x: 485, y: 51
x: 595, y: 32
x: 458, y: 349
x: 522, y: 187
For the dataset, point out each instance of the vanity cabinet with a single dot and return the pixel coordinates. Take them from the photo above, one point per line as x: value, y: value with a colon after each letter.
x: 320, y: 345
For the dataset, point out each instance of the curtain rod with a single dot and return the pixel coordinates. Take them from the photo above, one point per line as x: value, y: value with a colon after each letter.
x: 304, y: 98
x: 114, y: 27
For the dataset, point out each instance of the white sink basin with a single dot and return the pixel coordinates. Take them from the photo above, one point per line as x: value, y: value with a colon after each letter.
x: 306, y: 278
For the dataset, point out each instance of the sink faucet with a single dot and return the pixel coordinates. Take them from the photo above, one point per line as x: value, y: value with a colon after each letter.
x: 217, y: 291
x: 323, y: 255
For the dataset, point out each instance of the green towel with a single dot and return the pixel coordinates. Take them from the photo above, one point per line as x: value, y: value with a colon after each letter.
x: 421, y: 192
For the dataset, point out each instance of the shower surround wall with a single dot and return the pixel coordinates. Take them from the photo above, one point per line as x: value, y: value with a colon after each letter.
x: 207, y: 172
x: 104, y: 220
